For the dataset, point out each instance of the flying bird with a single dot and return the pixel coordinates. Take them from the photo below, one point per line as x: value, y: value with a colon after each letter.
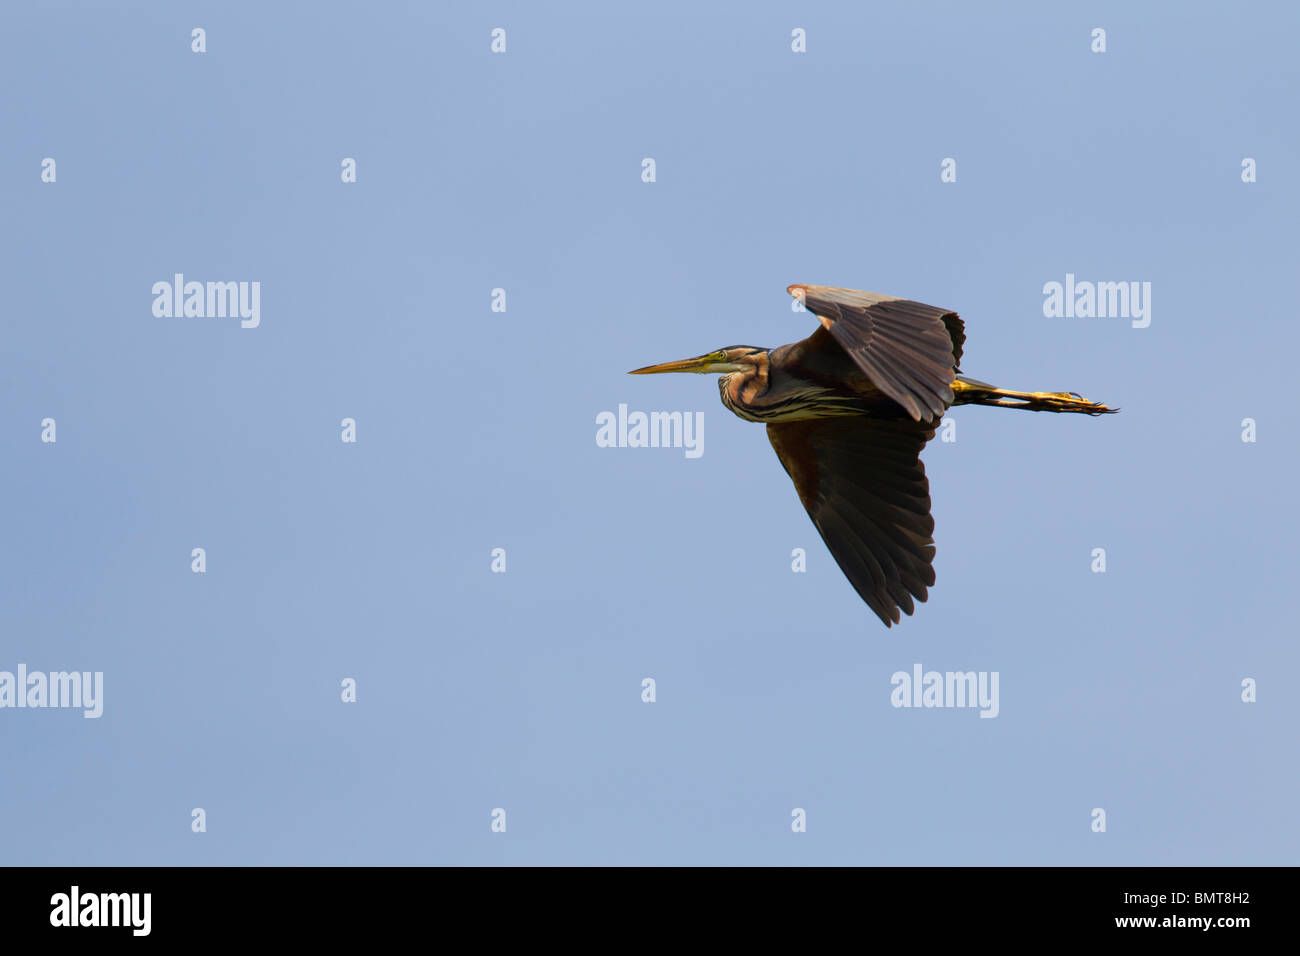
x: 848, y: 411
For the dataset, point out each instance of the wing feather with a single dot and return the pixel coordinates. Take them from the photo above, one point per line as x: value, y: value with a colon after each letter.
x: 862, y: 482
x: 911, y: 351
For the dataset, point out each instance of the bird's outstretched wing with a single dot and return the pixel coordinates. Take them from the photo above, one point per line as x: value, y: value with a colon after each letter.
x: 863, y: 484
x: 911, y: 351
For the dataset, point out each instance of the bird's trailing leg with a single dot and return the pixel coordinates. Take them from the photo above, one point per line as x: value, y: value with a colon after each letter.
x: 971, y: 392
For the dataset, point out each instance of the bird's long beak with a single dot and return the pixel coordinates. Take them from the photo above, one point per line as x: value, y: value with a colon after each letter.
x: 701, y: 363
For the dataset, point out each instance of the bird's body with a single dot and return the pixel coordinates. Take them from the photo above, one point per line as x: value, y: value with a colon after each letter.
x: 808, y: 379
x: 848, y: 410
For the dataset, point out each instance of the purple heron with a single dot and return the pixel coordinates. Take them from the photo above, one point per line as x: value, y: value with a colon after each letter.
x: 848, y: 411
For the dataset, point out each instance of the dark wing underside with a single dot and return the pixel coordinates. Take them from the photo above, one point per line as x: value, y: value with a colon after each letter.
x: 911, y: 351
x: 863, y: 484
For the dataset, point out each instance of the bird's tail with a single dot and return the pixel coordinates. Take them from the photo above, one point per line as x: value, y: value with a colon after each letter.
x: 969, y: 391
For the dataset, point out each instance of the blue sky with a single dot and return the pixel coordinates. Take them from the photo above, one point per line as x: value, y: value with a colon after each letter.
x: 476, y: 430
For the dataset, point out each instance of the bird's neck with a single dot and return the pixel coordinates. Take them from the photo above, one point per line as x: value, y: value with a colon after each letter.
x: 743, y: 392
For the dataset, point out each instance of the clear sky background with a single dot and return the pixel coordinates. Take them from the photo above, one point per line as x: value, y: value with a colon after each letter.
x: 476, y: 430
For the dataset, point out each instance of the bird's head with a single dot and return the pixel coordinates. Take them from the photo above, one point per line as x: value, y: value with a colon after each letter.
x: 737, y: 358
